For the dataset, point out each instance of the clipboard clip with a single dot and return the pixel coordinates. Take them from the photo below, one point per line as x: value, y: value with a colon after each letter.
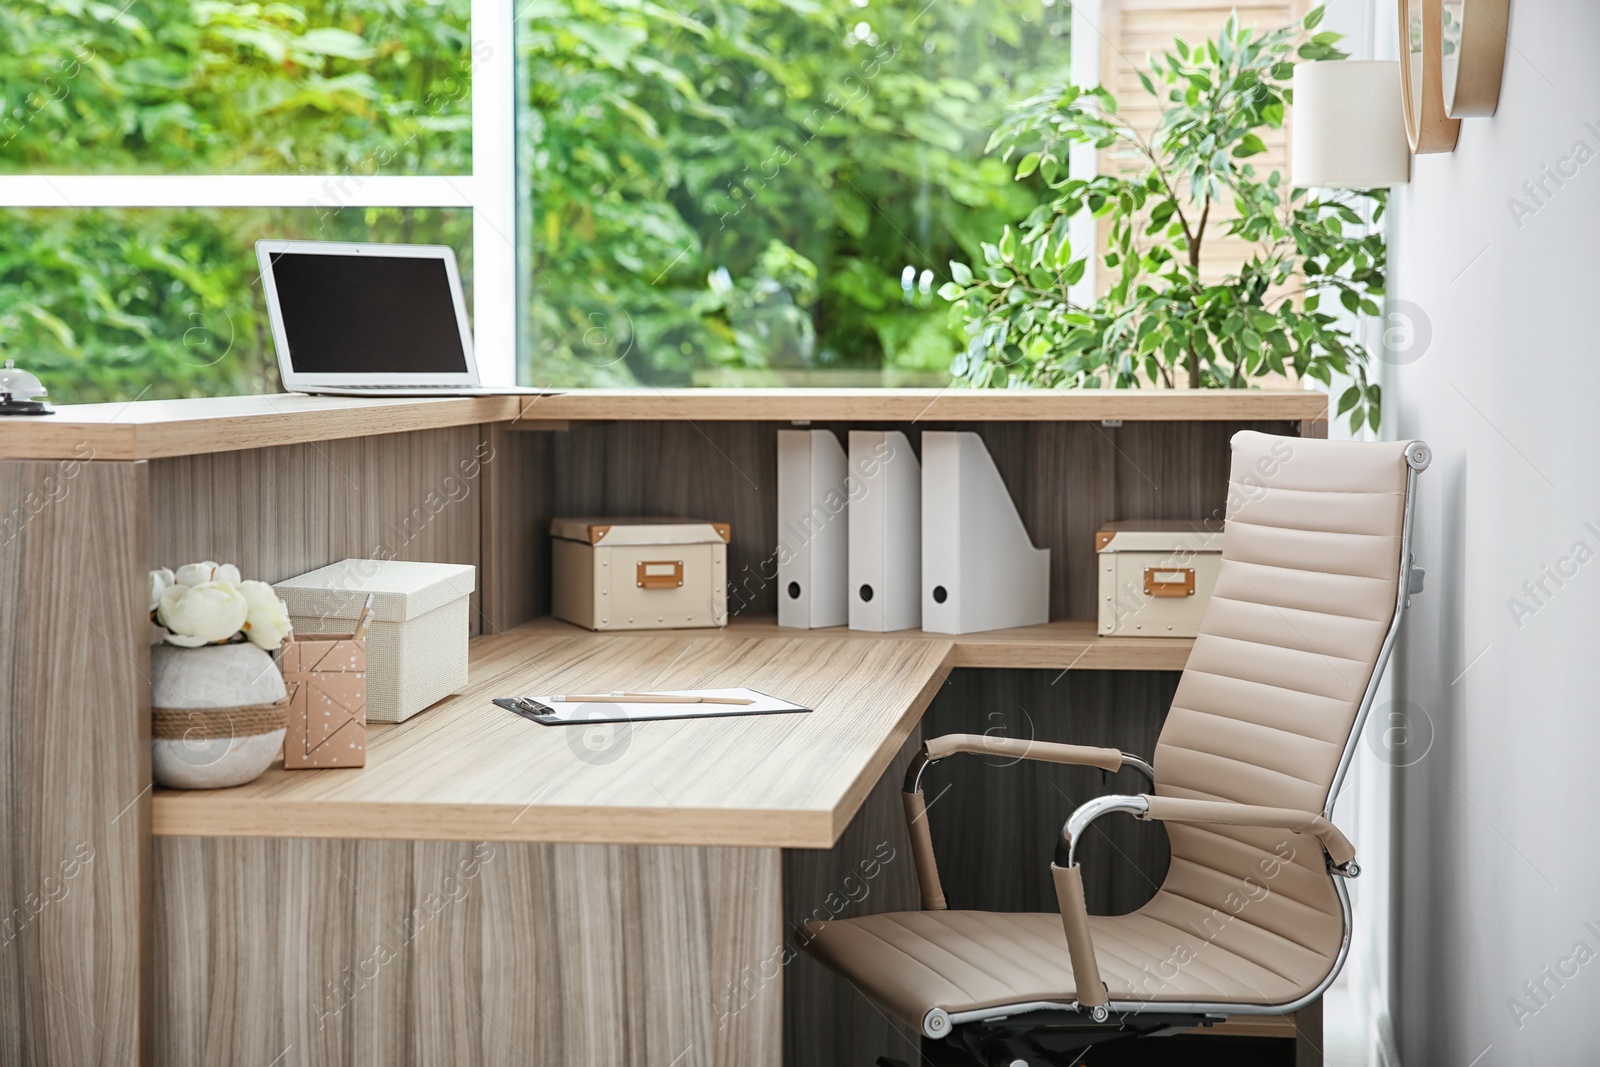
x: 526, y: 708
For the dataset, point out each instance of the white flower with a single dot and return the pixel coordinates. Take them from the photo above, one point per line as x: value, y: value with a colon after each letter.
x: 267, y: 623
x: 159, y: 581
x: 192, y: 574
x: 201, y: 614
x: 226, y: 572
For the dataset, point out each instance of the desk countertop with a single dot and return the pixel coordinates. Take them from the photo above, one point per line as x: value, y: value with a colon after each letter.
x: 158, y: 428
x: 1061, y: 644
x: 468, y: 770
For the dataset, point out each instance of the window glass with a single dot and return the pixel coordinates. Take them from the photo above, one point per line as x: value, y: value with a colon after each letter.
x: 216, y: 87
x: 157, y: 303
x: 767, y: 192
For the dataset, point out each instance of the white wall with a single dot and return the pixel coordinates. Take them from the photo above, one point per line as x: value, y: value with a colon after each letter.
x: 1358, y: 1022
x: 1497, y: 871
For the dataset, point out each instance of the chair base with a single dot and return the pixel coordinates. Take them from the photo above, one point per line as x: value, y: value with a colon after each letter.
x: 1059, y: 1038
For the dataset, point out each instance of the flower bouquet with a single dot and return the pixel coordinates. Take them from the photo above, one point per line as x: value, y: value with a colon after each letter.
x: 207, y: 604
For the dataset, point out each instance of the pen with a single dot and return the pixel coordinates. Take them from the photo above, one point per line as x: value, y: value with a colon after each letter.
x: 363, y: 619
x: 647, y: 698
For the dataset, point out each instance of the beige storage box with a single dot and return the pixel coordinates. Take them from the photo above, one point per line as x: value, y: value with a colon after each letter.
x: 640, y: 574
x: 1156, y: 576
x: 416, y: 638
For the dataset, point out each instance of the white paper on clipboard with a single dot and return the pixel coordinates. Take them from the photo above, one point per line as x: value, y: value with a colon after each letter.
x: 548, y: 710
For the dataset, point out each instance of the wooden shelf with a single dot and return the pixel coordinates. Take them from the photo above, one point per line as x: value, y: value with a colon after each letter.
x: 1060, y: 645
x: 159, y: 428
x: 931, y: 405
x: 152, y: 429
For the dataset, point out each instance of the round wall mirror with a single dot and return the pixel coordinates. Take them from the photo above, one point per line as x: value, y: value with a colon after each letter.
x: 1428, y: 128
x: 1472, y: 55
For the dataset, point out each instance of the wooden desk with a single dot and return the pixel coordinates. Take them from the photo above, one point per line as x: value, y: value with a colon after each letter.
x: 531, y: 905
x: 466, y: 770
x: 421, y: 910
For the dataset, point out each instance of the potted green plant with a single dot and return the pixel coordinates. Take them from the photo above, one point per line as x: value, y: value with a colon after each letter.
x: 1159, y: 322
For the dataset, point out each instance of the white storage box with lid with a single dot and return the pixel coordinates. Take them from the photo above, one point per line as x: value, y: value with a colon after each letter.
x: 1156, y: 576
x: 416, y: 638
x: 640, y: 574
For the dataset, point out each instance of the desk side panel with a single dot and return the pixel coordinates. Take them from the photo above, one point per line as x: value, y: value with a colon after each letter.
x: 827, y: 1022
x: 278, y: 512
x: 74, y: 760
x: 365, y: 952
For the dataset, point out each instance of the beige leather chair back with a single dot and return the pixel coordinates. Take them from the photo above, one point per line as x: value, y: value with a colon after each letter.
x: 1304, y: 599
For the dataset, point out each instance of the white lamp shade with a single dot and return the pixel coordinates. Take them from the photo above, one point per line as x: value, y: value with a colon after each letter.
x: 1349, y: 128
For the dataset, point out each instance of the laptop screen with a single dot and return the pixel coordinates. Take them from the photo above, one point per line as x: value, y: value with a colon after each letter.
x: 367, y: 314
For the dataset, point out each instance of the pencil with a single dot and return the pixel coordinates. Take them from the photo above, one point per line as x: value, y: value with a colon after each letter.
x: 646, y: 698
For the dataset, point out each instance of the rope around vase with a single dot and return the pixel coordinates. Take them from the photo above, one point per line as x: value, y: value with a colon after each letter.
x: 209, y: 724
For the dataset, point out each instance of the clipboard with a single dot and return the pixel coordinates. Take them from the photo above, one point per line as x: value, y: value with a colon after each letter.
x: 547, y: 711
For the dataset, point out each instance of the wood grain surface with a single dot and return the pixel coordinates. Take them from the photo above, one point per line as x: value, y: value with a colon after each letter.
x: 922, y: 405
x: 1058, y: 645
x: 515, y: 555
x: 499, y: 954
x: 997, y: 821
x: 468, y: 770
x: 826, y: 1020
x: 74, y: 762
x: 280, y: 512
x: 153, y: 429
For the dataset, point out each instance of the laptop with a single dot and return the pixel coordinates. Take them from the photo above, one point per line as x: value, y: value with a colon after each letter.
x: 370, y: 320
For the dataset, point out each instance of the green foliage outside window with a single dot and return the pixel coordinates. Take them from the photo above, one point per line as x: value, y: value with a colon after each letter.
x: 215, y: 87
x: 108, y: 305
x: 722, y: 191
x: 152, y: 303
x: 713, y: 192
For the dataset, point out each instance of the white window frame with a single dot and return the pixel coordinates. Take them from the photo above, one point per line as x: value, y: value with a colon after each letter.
x: 490, y: 190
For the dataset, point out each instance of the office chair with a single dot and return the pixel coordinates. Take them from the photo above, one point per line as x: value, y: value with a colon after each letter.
x: 1253, y: 917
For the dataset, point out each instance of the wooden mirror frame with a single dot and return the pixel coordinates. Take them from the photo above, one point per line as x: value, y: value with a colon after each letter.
x: 1428, y: 128
x: 1470, y: 80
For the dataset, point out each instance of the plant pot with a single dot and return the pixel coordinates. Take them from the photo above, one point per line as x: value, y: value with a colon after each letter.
x: 218, y: 714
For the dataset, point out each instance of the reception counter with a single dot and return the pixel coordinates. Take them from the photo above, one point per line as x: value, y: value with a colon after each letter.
x: 487, y: 890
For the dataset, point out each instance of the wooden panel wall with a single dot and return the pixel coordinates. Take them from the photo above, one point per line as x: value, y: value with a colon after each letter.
x: 74, y: 761
x: 827, y: 1023
x: 279, y: 512
x: 517, y: 480
x: 378, y: 952
x: 996, y: 828
x: 1067, y: 479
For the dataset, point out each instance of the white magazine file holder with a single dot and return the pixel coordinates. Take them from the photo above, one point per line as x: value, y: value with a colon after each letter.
x: 980, y: 569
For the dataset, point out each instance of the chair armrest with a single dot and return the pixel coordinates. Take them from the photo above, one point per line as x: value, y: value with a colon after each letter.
x: 1069, y: 883
x: 1107, y: 759
x: 1223, y: 813
x: 1069, y: 899
x: 935, y: 749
